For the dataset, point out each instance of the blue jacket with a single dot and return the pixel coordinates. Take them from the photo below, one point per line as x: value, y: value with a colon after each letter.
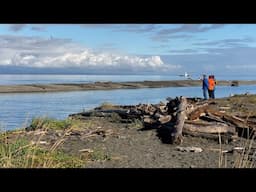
x: 205, y: 83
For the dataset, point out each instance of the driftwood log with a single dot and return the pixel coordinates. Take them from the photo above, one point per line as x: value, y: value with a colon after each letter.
x: 214, y: 128
x: 181, y: 115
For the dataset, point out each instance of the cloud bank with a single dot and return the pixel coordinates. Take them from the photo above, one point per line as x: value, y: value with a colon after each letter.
x: 35, y: 52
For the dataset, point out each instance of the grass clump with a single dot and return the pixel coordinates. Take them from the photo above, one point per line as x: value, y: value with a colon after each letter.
x: 115, y: 117
x: 43, y: 123
x: 107, y: 105
x: 137, y: 124
x: 99, y: 155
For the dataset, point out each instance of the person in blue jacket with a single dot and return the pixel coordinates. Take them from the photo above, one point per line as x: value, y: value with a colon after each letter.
x: 205, y: 86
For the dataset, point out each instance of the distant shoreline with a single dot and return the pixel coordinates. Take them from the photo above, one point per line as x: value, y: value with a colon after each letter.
x: 30, y: 88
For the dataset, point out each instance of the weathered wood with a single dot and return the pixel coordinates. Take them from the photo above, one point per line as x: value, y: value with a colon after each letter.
x: 249, y: 120
x: 180, y: 119
x: 189, y: 149
x: 235, y: 122
x: 163, y: 109
x: 211, y: 117
x: 181, y: 115
x: 165, y: 119
x: 231, y: 119
x: 149, y: 120
x: 225, y: 137
x: 194, y: 107
x: 214, y: 128
x: 195, y: 114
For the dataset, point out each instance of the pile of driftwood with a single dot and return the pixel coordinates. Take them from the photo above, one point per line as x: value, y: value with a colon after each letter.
x: 182, y: 116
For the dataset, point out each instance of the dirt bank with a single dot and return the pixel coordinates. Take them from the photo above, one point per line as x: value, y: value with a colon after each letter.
x: 111, y: 85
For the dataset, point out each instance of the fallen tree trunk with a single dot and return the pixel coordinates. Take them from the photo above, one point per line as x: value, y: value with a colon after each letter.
x: 213, y: 128
x: 217, y: 131
x: 225, y: 138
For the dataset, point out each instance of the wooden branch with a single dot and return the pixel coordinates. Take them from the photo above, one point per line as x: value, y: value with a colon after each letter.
x: 235, y: 121
x: 211, y: 117
x: 198, y: 122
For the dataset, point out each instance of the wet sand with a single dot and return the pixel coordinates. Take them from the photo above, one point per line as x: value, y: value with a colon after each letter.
x: 109, y: 86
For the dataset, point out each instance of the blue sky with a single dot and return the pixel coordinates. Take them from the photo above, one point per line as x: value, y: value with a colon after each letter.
x: 129, y: 48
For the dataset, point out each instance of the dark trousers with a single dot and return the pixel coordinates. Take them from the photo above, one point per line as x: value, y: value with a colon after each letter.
x: 205, y: 93
x: 211, y: 94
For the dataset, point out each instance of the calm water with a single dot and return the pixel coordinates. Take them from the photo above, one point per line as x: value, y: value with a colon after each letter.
x: 45, y: 79
x: 17, y: 110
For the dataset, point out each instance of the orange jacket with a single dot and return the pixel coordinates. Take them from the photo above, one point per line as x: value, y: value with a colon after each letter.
x: 211, y: 84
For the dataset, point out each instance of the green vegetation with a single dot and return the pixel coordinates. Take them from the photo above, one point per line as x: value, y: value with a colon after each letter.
x: 136, y: 124
x: 107, y: 105
x: 43, y: 123
x: 99, y: 155
x: 115, y: 118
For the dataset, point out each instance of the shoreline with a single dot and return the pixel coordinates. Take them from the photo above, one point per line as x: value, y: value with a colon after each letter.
x: 99, y: 139
x: 31, y: 88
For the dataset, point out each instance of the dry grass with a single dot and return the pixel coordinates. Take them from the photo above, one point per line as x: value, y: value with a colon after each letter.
x: 246, y: 157
x: 21, y: 153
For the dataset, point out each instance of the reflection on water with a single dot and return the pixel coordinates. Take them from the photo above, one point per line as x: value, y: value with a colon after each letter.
x: 17, y: 108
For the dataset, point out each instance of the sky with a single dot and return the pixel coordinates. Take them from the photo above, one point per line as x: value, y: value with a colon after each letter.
x: 128, y: 48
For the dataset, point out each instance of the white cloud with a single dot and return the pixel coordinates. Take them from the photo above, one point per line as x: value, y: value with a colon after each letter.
x: 60, y: 53
x: 86, y: 58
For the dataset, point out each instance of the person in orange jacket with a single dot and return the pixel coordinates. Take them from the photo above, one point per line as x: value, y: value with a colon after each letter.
x: 211, y: 86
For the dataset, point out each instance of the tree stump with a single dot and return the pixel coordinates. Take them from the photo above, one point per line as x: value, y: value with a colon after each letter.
x: 176, y: 135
